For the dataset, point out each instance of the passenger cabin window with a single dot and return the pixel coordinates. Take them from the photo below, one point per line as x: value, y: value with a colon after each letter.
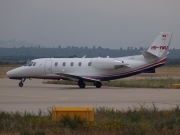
x: 72, y: 63
x: 89, y: 64
x: 64, y: 63
x: 56, y: 64
x: 79, y: 63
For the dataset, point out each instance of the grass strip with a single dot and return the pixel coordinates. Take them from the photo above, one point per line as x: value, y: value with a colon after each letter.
x: 138, y: 120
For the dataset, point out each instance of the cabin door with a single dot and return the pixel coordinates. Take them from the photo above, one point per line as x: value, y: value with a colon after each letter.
x: 48, y: 67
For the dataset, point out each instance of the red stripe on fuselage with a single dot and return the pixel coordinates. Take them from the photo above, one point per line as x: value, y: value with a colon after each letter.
x: 127, y: 72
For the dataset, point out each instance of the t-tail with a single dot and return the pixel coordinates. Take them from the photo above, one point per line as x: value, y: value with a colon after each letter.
x: 159, y: 48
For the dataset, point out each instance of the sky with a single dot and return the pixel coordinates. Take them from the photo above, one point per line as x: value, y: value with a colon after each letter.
x: 106, y: 23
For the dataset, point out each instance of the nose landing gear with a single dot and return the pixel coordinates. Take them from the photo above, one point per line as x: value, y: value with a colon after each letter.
x: 21, y: 82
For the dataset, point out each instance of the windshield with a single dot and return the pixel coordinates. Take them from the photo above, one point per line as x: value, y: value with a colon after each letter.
x: 30, y: 64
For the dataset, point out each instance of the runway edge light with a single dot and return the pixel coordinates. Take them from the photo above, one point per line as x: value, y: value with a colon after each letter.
x: 84, y: 113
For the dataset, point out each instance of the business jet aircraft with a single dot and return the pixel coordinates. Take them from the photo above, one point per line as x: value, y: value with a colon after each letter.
x: 96, y: 69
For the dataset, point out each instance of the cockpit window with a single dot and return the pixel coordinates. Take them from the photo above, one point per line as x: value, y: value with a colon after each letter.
x: 30, y: 64
x: 26, y: 64
x: 34, y: 64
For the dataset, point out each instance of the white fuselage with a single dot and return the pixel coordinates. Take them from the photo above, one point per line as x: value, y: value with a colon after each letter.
x: 99, y: 68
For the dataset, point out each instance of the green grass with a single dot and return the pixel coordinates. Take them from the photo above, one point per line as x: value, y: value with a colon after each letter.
x: 72, y: 123
x: 145, y: 83
x: 133, y: 83
x: 138, y: 120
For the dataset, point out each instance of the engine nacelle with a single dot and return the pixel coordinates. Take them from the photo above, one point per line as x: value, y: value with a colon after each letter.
x: 106, y: 63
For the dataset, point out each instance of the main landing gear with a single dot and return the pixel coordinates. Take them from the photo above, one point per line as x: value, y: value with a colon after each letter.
x: 98, y: 84
x: 21, y: 82
x: 81, y: 84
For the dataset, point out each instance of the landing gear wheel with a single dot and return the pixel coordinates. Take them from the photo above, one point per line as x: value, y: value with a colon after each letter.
x: 81, y: 84
x: 98, y: 84
x: 20, y: 84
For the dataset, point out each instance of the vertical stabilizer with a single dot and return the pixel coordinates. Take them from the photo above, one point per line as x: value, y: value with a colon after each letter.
x: 159, y: 47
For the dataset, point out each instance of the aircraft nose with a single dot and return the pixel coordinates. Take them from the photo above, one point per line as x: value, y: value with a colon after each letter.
x: 9, y: 73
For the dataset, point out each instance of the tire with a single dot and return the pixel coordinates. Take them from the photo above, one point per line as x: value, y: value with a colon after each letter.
x: 98, y: 84
x: 20, y: 84
x: 81, y: 84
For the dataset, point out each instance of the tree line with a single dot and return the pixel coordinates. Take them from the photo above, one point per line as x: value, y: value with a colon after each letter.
x: 23, y: 54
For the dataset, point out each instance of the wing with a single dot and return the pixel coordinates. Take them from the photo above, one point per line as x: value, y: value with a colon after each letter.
x: 76, y: 78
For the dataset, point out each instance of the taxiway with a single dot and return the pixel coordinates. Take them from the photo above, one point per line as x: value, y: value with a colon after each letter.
x: 36, y: 95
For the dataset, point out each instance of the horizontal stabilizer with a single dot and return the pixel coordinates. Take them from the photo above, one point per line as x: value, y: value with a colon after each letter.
x: 148, y: 55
